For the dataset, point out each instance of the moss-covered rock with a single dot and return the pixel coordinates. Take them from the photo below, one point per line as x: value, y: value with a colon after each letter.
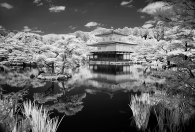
x: 54, y: 77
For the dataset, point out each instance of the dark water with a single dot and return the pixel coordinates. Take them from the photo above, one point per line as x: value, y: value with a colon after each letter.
x: 104, y: 98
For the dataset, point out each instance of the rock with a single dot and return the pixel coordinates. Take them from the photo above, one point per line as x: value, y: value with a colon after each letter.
x: 69, y: 76
x: 62, y: 78
x: 5, y: 63
x: 54, y: 77
x: 49, y: 54
x: 32, y: 76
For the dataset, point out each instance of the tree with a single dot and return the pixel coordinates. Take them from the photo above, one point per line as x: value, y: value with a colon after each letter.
x: 68, y: 51
x: 147, y: 51
x: 158, y: 33
x: 136, y: 32
x: 126, y: 31
x: 177, y: 12
x: 180, y: 14
x: 144, y: 33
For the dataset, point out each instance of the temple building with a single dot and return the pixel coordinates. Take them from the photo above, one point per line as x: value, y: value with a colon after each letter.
x: 111, y: 49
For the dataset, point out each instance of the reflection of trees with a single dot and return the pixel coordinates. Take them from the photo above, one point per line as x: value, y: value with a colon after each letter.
x: 69, y: 105
x: 9, y: 104
x: 65, y: 86
x: 47, y: 96
x: 17, y: 77
x: 171, y: 111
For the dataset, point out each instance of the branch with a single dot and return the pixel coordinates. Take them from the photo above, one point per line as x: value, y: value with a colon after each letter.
x: 184, y: 2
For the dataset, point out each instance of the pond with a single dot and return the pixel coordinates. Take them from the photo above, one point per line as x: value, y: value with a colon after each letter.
x: 104, y: 98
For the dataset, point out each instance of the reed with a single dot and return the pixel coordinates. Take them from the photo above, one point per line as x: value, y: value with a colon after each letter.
x: 38, y: 118
x: 140, y: 106
x: 169, y: 120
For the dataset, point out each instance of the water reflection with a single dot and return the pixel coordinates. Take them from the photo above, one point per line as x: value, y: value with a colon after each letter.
x: 69, y: 105
x: 115, y: 78
x: 9, y: 104
x: 20, y: 77
x: 109, y: 87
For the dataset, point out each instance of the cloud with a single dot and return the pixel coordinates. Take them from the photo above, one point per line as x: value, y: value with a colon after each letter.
x: 129, y: 6
x: 2, y: 28
x: 147, y: 25
x: 27, y: 29
x: 150, y: 22
x: 93, y: 24
x: 143, y: 17
x: 40, y: 4
x: 72, y: 27
x: 139, y: 10
x: 37, y: 31
x: 6, y: 5
x: 84, y: 12
x: 57, y: 8
x: 151, y: 8
x: 124, y: 3
x: 36, y: 1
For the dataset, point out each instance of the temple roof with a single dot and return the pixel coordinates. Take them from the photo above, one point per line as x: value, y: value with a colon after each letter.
x: 110, y: 33
x: 110, y: 42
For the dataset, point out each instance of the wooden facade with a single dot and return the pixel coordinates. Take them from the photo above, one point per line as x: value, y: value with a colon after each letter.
x: 111, y: 47
x: 110, y: 56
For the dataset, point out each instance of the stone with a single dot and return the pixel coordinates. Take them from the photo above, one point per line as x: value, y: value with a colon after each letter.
x: 32, y: 76
x: 62, y: 78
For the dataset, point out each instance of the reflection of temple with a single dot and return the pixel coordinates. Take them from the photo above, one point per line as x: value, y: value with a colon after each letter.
x: 109, y: 78
x: 112, y: 48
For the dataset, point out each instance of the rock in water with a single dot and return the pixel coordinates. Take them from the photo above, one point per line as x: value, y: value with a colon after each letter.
x: 32, y: 76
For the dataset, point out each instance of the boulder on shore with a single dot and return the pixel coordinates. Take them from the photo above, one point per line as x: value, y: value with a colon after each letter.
x: 54, y: 77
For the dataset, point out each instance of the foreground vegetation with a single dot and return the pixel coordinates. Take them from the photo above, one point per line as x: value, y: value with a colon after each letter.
x: 25, y: 116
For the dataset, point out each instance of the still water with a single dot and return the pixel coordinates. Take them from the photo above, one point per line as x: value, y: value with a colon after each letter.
x: 101, y: 98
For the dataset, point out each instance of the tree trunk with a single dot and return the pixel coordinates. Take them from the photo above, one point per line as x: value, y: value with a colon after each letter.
x: 53, y: 68
x: 186, y: 46
x: 63, y: 65
x: 147, y: 60
x: 168, y: 63
x: 191, y: 74
x: 185, y: 57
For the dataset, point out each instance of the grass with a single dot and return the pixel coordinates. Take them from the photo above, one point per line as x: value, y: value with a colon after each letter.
x: 140, y: 107
x: 169, y: 120
x: 38, y: 118
x: 34, y: 119
x: 26, y: 116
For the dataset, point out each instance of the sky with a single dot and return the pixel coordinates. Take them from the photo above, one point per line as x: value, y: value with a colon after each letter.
x: 67, y: 16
